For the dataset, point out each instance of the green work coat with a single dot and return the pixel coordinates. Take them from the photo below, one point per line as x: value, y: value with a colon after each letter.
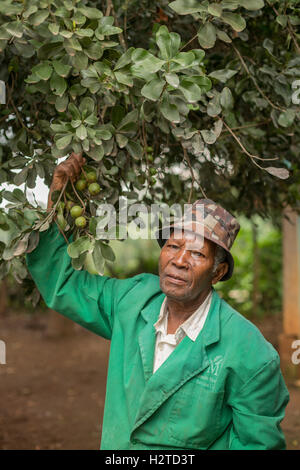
x: 223, y: 391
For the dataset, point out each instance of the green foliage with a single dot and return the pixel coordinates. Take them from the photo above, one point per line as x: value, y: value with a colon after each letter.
x: 209, y: 85
x: 238, y: 291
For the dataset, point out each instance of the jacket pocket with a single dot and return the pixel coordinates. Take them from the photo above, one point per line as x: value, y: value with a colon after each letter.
x: 195, y: 417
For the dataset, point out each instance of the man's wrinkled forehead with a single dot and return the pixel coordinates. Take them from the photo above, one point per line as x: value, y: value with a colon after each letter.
x: 192, y: 240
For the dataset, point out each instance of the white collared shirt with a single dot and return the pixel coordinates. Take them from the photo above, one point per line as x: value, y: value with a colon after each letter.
x: 165, y: 343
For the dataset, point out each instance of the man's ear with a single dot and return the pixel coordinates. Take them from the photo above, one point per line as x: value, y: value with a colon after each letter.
x: 220, y: 272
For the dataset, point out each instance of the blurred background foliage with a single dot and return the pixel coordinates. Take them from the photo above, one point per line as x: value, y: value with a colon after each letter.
x: 255, y: 290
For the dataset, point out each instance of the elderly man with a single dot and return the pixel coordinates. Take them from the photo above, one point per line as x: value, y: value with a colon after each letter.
x: 186, y: 371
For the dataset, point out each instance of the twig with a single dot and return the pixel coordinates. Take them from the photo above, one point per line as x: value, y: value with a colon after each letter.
x: 191, y: 40
x: 254, y: 80
x: 81, y: 201
x: 246, y: 126
x: 108, y: 8
x: 253, y: 157
x: 290, y: 27
x: 187, y: 159
x: 61, y: 231
x: 293, y: 35
x: 121, y: 36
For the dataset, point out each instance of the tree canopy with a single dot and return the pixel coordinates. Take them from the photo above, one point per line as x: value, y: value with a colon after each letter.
x: 172, y: 100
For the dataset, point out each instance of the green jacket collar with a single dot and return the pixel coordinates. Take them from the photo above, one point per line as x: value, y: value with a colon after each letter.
x: 188, y: 359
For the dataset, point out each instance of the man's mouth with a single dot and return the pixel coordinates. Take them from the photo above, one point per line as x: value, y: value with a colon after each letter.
x: 175, y: 279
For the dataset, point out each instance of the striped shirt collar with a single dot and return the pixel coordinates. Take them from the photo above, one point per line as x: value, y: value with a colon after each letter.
x: 191, y: 327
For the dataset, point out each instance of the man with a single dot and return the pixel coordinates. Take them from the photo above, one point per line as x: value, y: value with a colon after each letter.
x: 186, y: 371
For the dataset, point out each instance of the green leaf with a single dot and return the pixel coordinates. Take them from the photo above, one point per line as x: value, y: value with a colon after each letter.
x: 81, y: 132
x: 49, y: 50
x: 72, y: 45
x: 172, y: 79
x: 91, y: 13
x: 66, y: 34
x: 15, y: 28
x: 135, y: 149
x: 80, y: 60
x: 94, y: 51
x: 87, y: 105
x: 39, y: 17
x: 186, y: 7
x: 79, y: 246
x: 168, y: 43
x: 63, y: 142
x: 169, y: 110
x: 61, y: 69
x: 125, y: 59
x: 54, y: 28
x: 191, y: 91
x: 144, y: 63
x: 84, y: 33
x: 208, y: 136
x: 107, y: 252
x: 96, y: 153
x: 91, y: 120
x: 226, y: 98
x: 207, y: 36
x: 24, y: 50
x: 4, y: 34
x: 223, y: 74
x: 282, y: 20
x: 80, y: 262
x: 43, y: 71
x: 236, y: 21
x: 58, y: 84
x: 129, y: 122
x: 215, y: 9
x: 287, y: 118
x: 74, y: 111
x: 153, y: 89
x: 124, y: 78
x: 122, y: 140
x: 252, y: 4
x: 183, y: 59
x: 103, y: 134
x: 223, y: 36
x: 17, y: 196
x: 61, y: 103
x: 20, y: 177
x: 98, y: 258
x: 106, y: 28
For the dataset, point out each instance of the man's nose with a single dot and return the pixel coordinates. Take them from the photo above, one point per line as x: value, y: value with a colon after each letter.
x: 180, y: 259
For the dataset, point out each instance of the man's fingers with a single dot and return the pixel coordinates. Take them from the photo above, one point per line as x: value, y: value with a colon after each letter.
x: 70, y: 168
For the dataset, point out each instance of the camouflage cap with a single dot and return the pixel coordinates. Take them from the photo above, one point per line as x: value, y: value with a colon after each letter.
x: 208, y: 219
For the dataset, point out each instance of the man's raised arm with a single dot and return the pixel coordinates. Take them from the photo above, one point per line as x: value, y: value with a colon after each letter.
x: 87, y: 299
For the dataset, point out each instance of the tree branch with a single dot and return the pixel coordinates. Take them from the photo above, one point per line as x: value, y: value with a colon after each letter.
x: 254, y: 80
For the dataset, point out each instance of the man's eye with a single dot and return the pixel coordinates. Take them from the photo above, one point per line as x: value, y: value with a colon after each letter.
x: 173, y: 246
x: 197, y: 254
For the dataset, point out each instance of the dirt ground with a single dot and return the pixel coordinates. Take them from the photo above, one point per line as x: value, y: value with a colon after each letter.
x: 53, y: 389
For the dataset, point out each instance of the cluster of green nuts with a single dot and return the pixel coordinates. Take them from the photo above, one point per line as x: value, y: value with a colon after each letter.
x: 152, y: 170
x: 87, y: 186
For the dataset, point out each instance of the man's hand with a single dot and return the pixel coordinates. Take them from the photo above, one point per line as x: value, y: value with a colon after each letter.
x: 69, y: 169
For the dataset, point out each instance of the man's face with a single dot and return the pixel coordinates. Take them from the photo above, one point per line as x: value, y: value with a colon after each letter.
x: 186, y: 266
